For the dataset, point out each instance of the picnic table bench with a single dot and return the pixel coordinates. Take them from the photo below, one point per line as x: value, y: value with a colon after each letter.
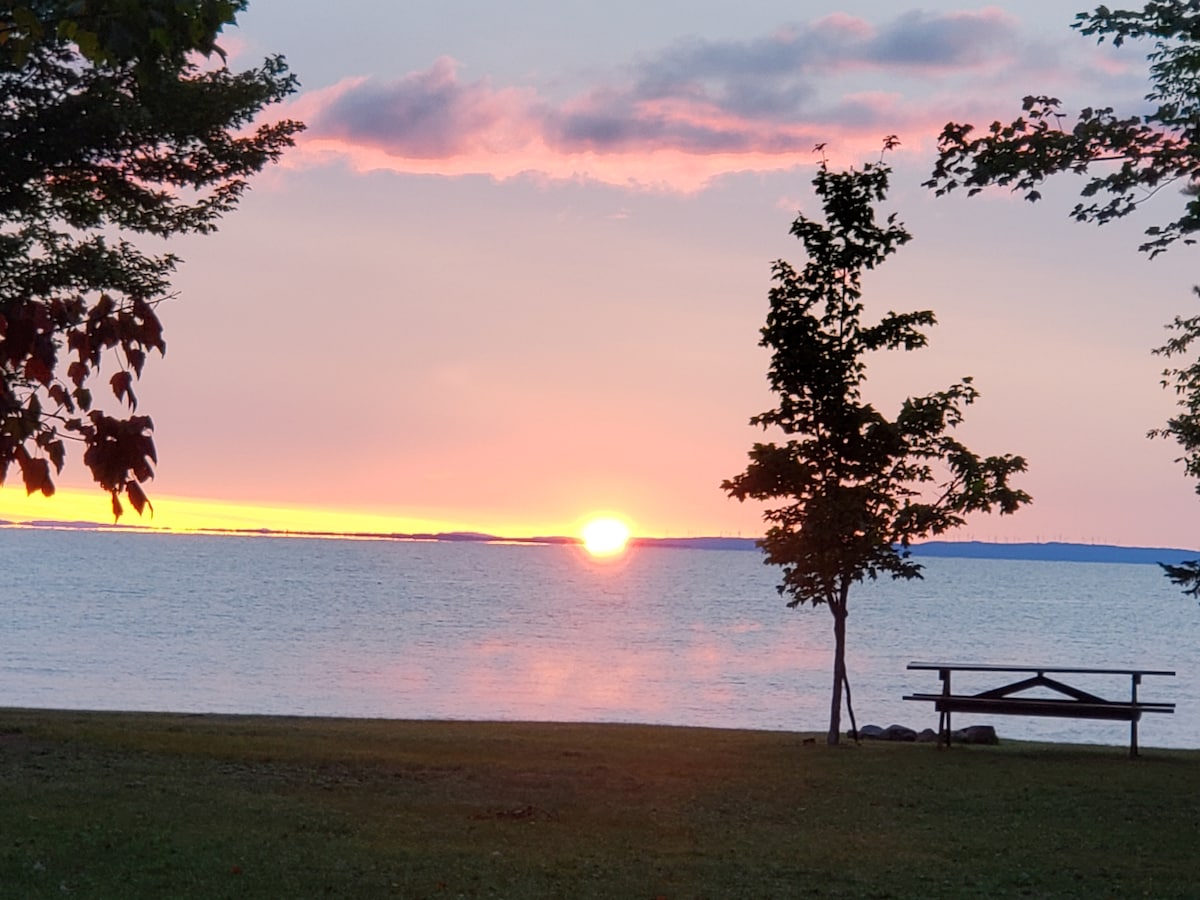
x: 1067, y: 700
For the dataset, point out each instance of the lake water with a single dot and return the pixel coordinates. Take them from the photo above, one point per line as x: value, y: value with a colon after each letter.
x: 196, y: 623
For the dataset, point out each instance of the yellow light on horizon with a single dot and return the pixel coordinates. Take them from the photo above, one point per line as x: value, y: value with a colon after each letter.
x: 172, y: 513
x: 182, y: 514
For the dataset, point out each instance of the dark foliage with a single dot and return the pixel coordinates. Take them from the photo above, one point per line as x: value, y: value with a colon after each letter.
x: 1127, y: 158
x: 1184, y: 428
x: 111, y: 127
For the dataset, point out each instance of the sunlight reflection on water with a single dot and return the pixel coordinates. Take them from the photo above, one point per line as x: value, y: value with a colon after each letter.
x: 422, y: 630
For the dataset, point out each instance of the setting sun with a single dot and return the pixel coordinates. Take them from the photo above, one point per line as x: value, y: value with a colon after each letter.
x: 605, y: 537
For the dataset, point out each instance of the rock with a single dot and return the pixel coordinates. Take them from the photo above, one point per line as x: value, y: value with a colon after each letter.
x: 903, y: 733
x: 979, y: 734
x: 899, y: 733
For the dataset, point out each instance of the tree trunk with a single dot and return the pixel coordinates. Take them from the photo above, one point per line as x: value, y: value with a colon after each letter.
x: 839, y: 673
x: 850, y: 705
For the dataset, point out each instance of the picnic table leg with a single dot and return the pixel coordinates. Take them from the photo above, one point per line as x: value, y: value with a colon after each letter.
x: 1135, y: 678
x: 944, y: 718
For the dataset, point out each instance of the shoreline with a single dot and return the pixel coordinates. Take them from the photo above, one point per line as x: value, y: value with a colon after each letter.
x: 157, y: 717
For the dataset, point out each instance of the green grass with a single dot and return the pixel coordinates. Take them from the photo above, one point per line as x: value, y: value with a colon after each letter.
x: 101, y: 805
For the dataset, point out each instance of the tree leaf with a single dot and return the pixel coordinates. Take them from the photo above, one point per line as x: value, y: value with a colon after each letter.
x: 138, y: 497
x: 122, y: 386
x: 35, y: 471
x: 37, y: 370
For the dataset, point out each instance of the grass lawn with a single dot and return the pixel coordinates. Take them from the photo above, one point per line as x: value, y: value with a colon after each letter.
x: 100, y: 805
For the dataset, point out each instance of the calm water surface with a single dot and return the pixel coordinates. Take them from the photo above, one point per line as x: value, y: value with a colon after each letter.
x: 96, y: 620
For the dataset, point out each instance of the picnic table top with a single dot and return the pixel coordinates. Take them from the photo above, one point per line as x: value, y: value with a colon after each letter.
x: 992, y: 667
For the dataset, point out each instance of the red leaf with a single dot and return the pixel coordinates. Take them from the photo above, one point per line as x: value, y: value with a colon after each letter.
x: 59, y: 395
x: 36, y: 370
x: 36, y: 473
x: 116, y: 505
x: 80, y: 344
x: 103, y: 308
x: 58, y: 455
x: 138, y: 497
x: 136, y: 358
x: 78, y: 373
x: 122, y: 385
x: 19, y: 340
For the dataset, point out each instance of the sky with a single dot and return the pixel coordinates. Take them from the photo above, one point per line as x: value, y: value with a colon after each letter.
x: 514, y: 272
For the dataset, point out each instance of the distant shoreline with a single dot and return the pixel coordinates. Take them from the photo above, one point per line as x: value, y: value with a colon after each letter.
x: 1052, y: 551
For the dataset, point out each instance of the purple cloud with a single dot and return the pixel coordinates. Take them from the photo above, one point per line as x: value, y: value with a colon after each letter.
x: 950, y: 40
x: 761, y: 100
x: 779, y: 74
x: 424, y: 115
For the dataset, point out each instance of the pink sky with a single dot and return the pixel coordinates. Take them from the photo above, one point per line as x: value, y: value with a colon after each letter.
x: 515, y: 272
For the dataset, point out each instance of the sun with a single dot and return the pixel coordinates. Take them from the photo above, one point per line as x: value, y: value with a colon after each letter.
x: 605, y: 536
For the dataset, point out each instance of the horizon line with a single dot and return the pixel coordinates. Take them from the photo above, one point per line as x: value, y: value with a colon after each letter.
x: 470, y: 536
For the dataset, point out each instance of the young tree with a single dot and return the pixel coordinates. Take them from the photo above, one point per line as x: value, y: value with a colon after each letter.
x: 853, y: 488
x: 110, y: 127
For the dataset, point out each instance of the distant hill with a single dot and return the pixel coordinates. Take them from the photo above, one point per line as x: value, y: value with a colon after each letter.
x: 1054, y: 551
x: 699, y: 543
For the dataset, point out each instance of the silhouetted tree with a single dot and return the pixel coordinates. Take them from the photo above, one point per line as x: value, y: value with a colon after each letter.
x: 853, y: 487
x: 1184, y: 427
x: 1128, y: 159
x: 111, y: 126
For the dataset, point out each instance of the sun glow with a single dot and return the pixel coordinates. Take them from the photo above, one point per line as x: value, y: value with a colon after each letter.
x: 605, y: 536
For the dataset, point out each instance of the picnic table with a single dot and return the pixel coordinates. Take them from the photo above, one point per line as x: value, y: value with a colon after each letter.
x: 1056, y: 697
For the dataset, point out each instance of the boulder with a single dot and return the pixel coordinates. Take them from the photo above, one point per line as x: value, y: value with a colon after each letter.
x: 974, y: 734
x: 899, y: 733
x: 979, y: 734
